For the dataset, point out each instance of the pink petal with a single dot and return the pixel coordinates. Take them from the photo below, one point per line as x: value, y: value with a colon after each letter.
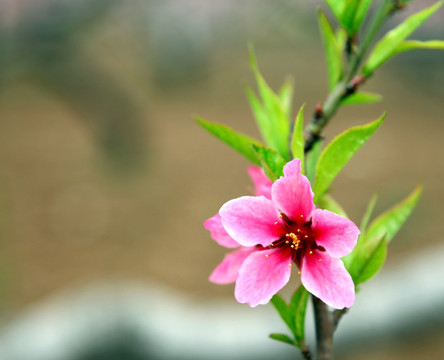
x: 292, y: 168
x: 327, y: 279
x: 218, y: 233
x: 262, y: 183
x: 292, y: 193
x: 260, y: 277
x: 228, y: 270
x: 250, y: 220
x: 335, y: 233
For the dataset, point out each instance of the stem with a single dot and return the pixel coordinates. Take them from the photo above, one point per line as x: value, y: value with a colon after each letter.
x: 324, y: 330
x: 350, y: 81
x: 305, y: 351
x: 337, y: 316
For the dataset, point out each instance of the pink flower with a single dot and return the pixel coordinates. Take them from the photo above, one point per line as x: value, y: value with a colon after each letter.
x: 283, y: 230
x: 228, y: 270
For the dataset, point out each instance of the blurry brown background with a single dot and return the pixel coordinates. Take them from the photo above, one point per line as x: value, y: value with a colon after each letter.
x: 103, y: 173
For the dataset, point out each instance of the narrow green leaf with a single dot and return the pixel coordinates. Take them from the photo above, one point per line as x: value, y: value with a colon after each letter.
x: 298, y: 307
x: 361, y: 98
x: 286, y: 96
x: 272, y: 162
x: 283, y: 338
x: 339, y: 152
x: 419, y: 45
x: 368, y: 213
x: 336, y: 7
x: 348, y: 15
x: 328, y: 203
x: 237, y: 141
x: 261, y: 117
x: 361, y: 13
x: 283, y: 310
x: 278, y: 127
x: 332, y: 50
x: 312, y: 159
x: 391, y: 221
x: 341, y: 38
x: 386, y: 47
x: 297, y: 141
x: 368, y: 258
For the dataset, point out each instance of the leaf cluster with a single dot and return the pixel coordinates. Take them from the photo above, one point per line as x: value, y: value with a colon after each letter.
x: 293, y: 314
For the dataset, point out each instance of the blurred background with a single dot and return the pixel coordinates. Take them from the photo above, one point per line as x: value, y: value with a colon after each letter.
x: 105, y: 179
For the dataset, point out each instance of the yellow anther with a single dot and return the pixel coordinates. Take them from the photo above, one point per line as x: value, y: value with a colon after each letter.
x: 275, y: 222
x: 266, y: 255
x: 290, y: 265
x: 280, y: 216
x: 306, y: 236
x: 287, y: 242
x: 299, y: 273
x: 292, y: 246
x: 302, y: 216
x: 299, y: 230
x: 311, y: 252
x: 320, y: 260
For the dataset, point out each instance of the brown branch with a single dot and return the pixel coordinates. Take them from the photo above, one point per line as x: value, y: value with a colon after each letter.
x: 324, y: 330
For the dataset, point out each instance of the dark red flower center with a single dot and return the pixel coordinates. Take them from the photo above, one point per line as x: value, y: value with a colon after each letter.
x: 299, y: 238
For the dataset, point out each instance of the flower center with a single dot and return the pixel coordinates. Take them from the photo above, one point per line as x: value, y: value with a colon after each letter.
x: 298, y: 238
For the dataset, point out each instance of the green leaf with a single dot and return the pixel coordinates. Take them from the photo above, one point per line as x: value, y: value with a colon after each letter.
x: 283, y: 310
x: 341, y: 38
x: 328, y: 203
x: 361, y: 98
x: 339, y: 152
x: 348, y: 15
x: 298, y: 308
x: 276, y: 130
x: 368, y: 258
x: 286, y: 96
x: 237, y: 141
x: 386, y: 47
x: 283, y: 338
x: 312, y: 159
x: 391, y: 221
x: 271, y: 161
x: 297, y: 141
x: 336, y: 7
x: 332, y: 50
x: 361, y: 13
x: 261, y: 117
x: 419, y: 45
x: 368, y: 213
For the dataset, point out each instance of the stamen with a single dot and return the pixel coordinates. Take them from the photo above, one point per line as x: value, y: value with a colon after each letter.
x: 320, y: 260
x: 290, y: 265
x: 266, y: 255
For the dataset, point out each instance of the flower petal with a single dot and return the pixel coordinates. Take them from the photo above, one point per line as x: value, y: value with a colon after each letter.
x: 292, y: 193
x: 335, y: 233
x: 228, y: 270
x: 262, y: 276
x: 326, y: 278
x: 293, y: 167
x: 250, y: 220
x: 262, y: 183
x: 218, y: 233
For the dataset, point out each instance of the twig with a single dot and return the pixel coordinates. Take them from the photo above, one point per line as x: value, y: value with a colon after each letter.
x: 324, y: 330
x: 351, y: 80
